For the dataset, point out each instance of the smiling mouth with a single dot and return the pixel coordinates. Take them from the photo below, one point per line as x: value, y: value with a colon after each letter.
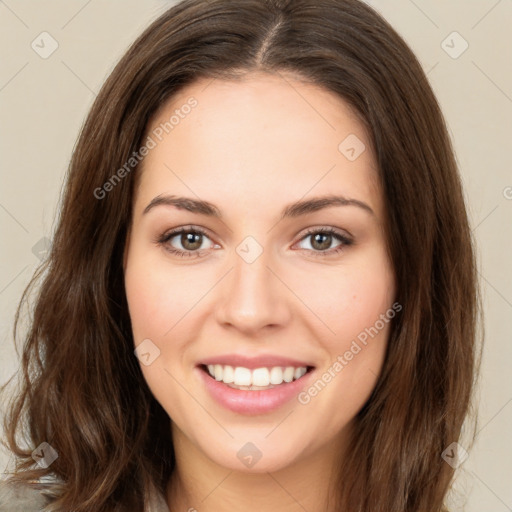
x: 258, y: 379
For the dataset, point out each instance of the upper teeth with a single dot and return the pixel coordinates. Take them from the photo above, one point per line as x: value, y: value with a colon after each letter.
x: 258, y: 377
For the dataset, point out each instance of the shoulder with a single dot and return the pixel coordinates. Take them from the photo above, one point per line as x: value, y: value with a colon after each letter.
x: 16, y: 497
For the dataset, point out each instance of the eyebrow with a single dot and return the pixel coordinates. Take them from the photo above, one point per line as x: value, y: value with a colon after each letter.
x: 290, y: 211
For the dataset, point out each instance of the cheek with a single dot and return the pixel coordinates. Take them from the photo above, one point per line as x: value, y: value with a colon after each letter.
x: 155, y: 310
x: 355, y: 304
x: 162, y: 302
x: 158, y: 297
x: 346, y: 300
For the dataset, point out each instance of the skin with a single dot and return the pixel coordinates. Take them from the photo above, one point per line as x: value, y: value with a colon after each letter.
x: 251, y: 147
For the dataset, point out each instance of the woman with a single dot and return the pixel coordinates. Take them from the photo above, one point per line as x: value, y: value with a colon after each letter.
x: 261, y: 292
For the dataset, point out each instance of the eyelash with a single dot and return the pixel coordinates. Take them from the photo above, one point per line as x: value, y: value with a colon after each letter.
x: 166, y: 237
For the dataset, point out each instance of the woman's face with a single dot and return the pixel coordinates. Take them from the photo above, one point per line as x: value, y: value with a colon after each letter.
x: 268, y: 275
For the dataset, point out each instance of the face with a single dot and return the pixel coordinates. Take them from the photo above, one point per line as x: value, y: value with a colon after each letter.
x: 252, y: 271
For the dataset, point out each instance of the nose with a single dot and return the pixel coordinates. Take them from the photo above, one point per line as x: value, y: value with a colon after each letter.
x: 252, y: 298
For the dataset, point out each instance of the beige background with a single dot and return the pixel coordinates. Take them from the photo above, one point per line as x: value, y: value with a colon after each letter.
x: 43, y: 103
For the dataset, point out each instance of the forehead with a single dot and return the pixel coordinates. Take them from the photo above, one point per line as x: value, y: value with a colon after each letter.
x: 256, y: 135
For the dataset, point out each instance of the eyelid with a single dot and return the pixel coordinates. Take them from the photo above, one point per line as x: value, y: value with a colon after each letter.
x: 326, y: 229
x: 186, y: 227
x: 344, y: 238
x: 164, y: 239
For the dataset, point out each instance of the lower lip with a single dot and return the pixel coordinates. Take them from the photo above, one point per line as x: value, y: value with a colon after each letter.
x: 253, y: 402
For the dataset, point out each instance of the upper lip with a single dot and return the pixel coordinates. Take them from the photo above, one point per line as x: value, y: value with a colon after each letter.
x: 262, y: 361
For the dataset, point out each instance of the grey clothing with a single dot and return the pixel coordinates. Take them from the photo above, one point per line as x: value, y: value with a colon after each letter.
x: 14, y: 498
x: 22, y: 498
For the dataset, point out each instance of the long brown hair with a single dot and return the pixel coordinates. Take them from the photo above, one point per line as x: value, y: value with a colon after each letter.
x: 82, y: 390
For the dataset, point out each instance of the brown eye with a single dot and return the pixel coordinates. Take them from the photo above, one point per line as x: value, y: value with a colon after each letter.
x: 190, y: 240
x: 184, y: 241
x: 321, y: 241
